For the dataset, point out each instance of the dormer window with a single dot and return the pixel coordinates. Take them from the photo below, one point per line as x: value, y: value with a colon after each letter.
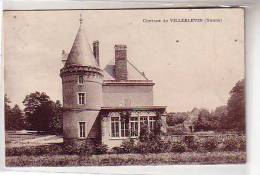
x: 80, y: 79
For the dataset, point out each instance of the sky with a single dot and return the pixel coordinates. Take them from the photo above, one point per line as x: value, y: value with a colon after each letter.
x: 193, y: 64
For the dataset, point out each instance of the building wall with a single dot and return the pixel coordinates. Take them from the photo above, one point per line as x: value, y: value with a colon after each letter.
x: 88, y: 113
x: 116, y: 96
x: 106, y: 139
x: 92, y: 86
x: 71, y: 121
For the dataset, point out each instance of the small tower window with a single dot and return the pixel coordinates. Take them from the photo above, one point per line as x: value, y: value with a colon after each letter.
x: 81, y: 98
x: 82, y: 129
x: 80, y: 79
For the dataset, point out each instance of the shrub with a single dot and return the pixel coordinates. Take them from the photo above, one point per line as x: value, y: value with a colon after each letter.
x: 242, y: 146
x: 128, y: 146
x: 189, y: 140
x: 175, y: 130
x: 209, y: 144
x: 155, y: 145
x: 234, y: 143
x: 80, y: 148
x: 35, y: 150
x: 117, y: 150
x: 100, y: 149
x: 177, y: 146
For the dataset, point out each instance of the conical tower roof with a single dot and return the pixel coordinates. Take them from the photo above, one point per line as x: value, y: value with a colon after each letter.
x: 81, y: 53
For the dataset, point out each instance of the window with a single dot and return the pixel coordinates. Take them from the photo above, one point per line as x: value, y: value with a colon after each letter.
x: 134, y: 126
x: 80, y: 79
x: 143, y: 120
x: 81, y: 98
x: 82, y: 129
x: 114, y: 126
x: 151, y: 123
x: 124, y: 128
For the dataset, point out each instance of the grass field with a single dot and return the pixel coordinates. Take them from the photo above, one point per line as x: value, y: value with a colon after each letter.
x: 30, y: 140
x: 128, y: 159
x: 25, y: 138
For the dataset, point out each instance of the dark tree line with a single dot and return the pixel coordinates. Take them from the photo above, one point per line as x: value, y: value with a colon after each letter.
x: 230, y: 117
x: 40, y: 114
x: 14, y: 117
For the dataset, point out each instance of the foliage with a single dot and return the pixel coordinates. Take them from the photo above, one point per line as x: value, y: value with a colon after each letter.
x: 236, y: 108
x: 14, y: 117
x: 218, y: 116
x: 151, y: 145
x: 57, y: 149
x: 209, y: 144
x: 234, y: 144
x: 176, y: 118
x: 55, y: 124
x: 209, y: 121
x: 144, y: 133
x: 42, y: 113
x: 202, y: 123
x: 191, y: 142
x: 177, y: 146
x: 128, y: 146
x: 100, y: 149
x: 176, y: 130
x: 53, y: 149
x: 128, y: 159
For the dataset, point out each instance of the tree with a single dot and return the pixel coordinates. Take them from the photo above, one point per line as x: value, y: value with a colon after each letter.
x: 17, y: 118
x: 236, y: 108
x: 14, y: 118
x: 220, y: 115
x: 202, y: 124
x: 8, y: 113
x: 39, y: 109
x: 55, y: 124
x: 176, y: 118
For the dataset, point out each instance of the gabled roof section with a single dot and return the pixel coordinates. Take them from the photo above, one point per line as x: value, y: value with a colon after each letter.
x: 132, y: 72
x: 81, y: 53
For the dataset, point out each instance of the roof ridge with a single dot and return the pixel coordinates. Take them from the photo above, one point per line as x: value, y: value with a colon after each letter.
x: 141, y: 73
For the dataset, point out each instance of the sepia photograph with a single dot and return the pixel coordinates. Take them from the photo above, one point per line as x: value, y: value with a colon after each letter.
x: 124, y: 87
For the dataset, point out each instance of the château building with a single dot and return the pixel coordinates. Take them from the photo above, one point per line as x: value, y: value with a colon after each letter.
x: 104, y: 105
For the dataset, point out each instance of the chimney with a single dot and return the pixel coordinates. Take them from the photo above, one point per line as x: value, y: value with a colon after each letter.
x: 96, y: 50
x: 120, y: 62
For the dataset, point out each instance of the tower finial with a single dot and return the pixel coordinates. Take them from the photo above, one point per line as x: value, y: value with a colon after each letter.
x: 80, y: 19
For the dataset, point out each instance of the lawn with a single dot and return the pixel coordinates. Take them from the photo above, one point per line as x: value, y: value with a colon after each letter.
x: 32, y: 149
x: 25, y: 138
x: 128, y: 159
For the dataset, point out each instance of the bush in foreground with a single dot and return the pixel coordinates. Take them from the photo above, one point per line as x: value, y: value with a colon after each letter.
x: 209, y: 144
x: 234, y: 144
x: 129, y: 159
x: 35, y: 150
x: 57, y: 149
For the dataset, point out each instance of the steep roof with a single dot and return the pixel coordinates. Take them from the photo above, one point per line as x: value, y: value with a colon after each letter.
x: 132, y: 72
x: 81, y: 53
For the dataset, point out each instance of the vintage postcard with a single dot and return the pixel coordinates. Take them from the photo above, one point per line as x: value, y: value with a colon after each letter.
x: 124, y: 87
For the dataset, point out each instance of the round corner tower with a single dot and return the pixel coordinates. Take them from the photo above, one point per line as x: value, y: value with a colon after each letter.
x: 82, y: 91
